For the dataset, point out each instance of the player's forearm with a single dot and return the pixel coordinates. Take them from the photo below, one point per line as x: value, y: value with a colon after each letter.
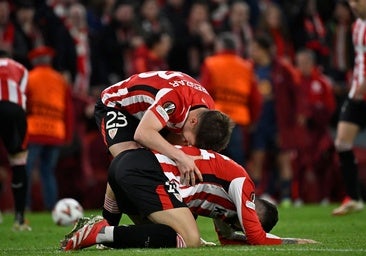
x: 297, y: 241
x: 153, y: 140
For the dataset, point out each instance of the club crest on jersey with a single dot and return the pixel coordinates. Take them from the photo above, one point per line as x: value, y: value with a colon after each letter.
x: 112, y: 132
x: 169, y: 107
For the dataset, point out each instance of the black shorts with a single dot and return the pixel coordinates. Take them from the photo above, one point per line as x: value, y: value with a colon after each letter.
x: 115, y: 125
x: 140, y: 185
x: 13, y: 126
x: 354, y: 111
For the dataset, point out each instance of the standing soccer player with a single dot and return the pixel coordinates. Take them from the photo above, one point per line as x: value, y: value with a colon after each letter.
x: 13, y: 83
x: 353, y: 115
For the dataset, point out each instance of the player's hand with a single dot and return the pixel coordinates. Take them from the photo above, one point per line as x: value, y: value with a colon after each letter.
x: 206, y: 243
x: 188, y: 170
x: 298, y: 241
x: 306, y: 241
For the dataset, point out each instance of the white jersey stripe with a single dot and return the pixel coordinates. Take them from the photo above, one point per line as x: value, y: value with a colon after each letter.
x: 13, y: 91
x: 235, y: 189
x: 359, y: 41
x: 24, y: 81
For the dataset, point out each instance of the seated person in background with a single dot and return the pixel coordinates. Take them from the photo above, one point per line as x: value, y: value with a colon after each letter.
x: 144, y: 193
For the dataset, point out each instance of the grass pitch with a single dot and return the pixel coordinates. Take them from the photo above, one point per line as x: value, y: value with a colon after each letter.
x: 344, y: 235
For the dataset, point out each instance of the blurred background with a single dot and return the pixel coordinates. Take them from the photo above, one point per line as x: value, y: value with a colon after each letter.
x: 100, y: 42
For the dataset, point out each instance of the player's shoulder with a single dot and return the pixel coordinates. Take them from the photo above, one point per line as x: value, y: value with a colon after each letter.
x: 163, y: 77
x: 11, y: 63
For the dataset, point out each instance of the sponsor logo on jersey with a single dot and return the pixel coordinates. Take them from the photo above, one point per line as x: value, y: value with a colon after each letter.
x: 169, y: 107
x: 112, y: 132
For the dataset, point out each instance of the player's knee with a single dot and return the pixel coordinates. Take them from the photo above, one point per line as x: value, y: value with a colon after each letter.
x: 341, y: 145
x: 192, y: 239
x: 19, y: 158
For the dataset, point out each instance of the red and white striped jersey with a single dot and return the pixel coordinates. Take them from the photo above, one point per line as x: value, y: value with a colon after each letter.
x: 359, y: 42
x: 13, y: 82
x: 226, y: 192
x: 170, y: 95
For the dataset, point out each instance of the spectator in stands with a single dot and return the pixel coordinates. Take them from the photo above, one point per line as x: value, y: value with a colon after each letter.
x: 219, y: 10
x: 27, y: 34
x: 99, y: 14
x: 152, y: 55
x: 272, y: 22
x: 176, y: 12
x: 116, y: 43
x: 275, y: 129
x: 311, y: 32
x: 200, y: 36
x: 231, y: 82
x: 315, y: 158
x: 56, y: 35
x: 49, y: 116
x: 76, y: 23
x: 238, y: 24
x: 152, y: 20
x: 7, y: 36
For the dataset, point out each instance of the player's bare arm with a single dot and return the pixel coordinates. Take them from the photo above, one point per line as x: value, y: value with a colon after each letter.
x: 147, y: 134
x: 298, y: 241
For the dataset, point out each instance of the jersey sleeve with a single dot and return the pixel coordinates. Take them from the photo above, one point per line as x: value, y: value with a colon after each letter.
x: 170, y: 108
x: 241, y: 190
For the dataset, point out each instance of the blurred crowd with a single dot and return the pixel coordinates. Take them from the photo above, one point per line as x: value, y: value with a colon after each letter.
x: 100, y: 42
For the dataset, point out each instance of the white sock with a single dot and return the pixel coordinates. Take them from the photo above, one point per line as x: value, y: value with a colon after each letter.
x: 105, y: 235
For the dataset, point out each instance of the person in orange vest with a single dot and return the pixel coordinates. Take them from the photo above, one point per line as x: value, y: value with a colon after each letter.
x: 50, y: 119
x: 231, y: 81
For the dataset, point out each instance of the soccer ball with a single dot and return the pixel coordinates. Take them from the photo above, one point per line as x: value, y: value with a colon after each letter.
x: 67, y: 211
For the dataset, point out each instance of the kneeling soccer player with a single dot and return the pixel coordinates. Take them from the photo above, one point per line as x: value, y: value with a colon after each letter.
x: 142, y: 190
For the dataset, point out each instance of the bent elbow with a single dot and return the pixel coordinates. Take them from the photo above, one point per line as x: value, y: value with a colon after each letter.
x: 138, y: 136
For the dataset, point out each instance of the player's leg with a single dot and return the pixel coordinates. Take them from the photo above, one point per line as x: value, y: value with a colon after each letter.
x: 13, y: 135
x: 19, y: 184
x: 182, y: 221
x: 145, y: 236
x: 259, y: 143
x: 348, y: 127
x: 346, y: 134
x: 98, y: 231
x: 137, y: 180
x: 236, y: 147
x: 258, y: 157
x: 34, y: 152
x: 117, y: 129
x: 285, y: 168
x: 49, y: 158
x: 111, y: 211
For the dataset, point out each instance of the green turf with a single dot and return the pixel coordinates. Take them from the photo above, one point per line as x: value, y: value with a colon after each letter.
x: 344, y: 235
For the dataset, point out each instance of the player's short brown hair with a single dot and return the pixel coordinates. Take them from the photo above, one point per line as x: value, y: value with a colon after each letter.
x: 214, y: 130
